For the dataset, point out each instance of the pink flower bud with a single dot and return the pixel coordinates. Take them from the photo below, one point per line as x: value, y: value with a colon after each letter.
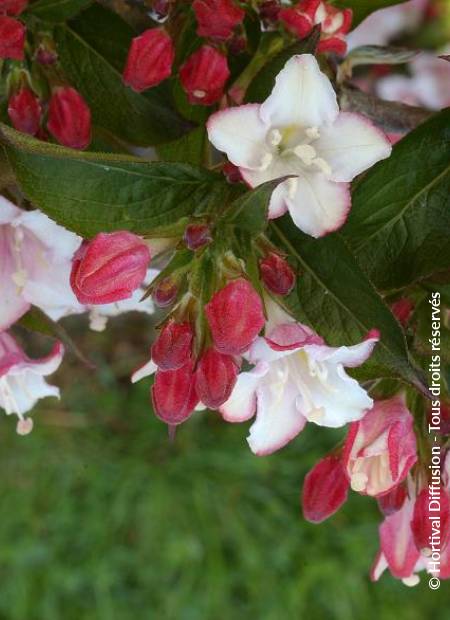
x: 277, y: 275
x: 403, y: 309
x: 24, y: 110
x: 109, y: 267
x: 69, y: 118
x: 217, y: 19
x: 12, y: 7
x: 165, y: 293
x: 269, y: 10
x: 197, y: 235
x: 299, y: 19
x: 203, y: 75
x: 380, y: 449
x: 392, y: 501
x: 173, y: 347
x: 232, y: 173
x: 428, y: 508
x: 173, y: 393
x: 325, y: 489
x: 12, y: 38
x: 215, y: 378
x: 150, y: 59
x: 235, y: 316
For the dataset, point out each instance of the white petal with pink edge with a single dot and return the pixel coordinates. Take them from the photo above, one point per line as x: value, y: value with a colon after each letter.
x: 241, y: 405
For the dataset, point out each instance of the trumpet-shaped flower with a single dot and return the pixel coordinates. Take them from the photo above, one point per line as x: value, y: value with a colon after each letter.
x: 300, y: 132
x: 22, y: 381
x: 297, y: 378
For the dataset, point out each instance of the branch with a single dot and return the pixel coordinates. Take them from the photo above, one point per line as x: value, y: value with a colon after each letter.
x: 389, y: 115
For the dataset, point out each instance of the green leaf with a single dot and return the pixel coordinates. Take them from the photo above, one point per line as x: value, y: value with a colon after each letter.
x: 335, y: 297
x: 93, y: 192
x: 142, y: 119
x: 362, y: 8
x: 57, y: 10
x: 249, y: 211
x: 189, y: 149
x: 262, y: 84
x: 399, y: 225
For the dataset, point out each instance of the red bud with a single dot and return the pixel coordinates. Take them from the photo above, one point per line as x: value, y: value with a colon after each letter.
x: 109, y: 268
x: 165, y: 293
x: 173, y: 347
x: 325, y: 489
x: 215, y: 378
x: 403, y: 309
x: 12, y: 7
x: 69, y: 118
x: 24, y: 110
x: 217, y: 19
x: 197, y: 235
x: 235, y: 316
x: 277, y: 275
x: 232, y: 173
x: 173, y: 393
x: 12, y: 38
x: 392, y: 501
x: 203, y: 75
x: 429, y: 507
x: 149, y: 59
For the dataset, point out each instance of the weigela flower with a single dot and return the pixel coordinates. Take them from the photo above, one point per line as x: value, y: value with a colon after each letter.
x: 428, y: 510
x: 173, y: 393
x: 25, y: 111
x: 109, y: 267
x: 203, y: 75
x: 173, y: 347
x: 217, y: 19
x: 276, y: 273
x: 69, y: 118
x: 299, y: 131
x: 381, y: 448
x: 150, y: 59
x: 22, y: 381
x: 215, y: 378
x: 398, y: 551
x: 12, y: 7
x: 301, y: 19
x: 235, y: 316
x: 325, y: 489
x: 12, y: 38
x: 297, y: 378
x: 35, y: 263
x: 393, y: 500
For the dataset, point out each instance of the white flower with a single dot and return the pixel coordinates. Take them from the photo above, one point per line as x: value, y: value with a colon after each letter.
x: 297, y: 378
x: 299, y: 131
x: 22, y: 381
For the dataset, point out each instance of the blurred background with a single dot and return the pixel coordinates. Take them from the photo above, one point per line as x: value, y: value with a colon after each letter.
x: 101, y: 518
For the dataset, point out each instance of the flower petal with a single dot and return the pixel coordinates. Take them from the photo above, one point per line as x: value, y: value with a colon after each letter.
x: 347, y: 356
x: 302, y: 96
x: 149, y: 368
x: 240, y: 133
x: 318, y: 206
x: 241, y: 405
x: 351, y: 145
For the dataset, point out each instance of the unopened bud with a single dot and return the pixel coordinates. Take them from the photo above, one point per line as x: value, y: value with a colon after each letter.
x: 197, y: 235
x: 203, y: 75
x: 215, y: 378
x: 277, y: 275
x: 173, y: 347
x: 69, y: 118
x: 165, y: 293
x: 174, y: 395
x: 12, y: 38
x: 325, y: 489
x: 24, y: 110
x: 150, y: 59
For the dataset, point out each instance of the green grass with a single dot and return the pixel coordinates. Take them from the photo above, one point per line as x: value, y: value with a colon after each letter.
x: 101, y: 518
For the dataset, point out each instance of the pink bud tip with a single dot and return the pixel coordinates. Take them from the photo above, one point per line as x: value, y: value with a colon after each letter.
x: 174, y: 395
x: 165, y: 293
x: 215, y: 378
x: 203, y: 76
x: 69, y: 118
x: 197, y: 235
x: 217, y: 19
x: 109, y: 268
x: 173, y: 347
x: 235, y: 316
x: 277, y: 275
x: 12, y: 38
x: 24, y: 110
x: 325, y: 489
x: 150, y: 59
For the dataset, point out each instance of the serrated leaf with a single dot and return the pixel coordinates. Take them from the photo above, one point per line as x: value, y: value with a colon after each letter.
x: 263, y: 83
x: 141, y: 119
x: 93, y: 192
x: 335, y: 297
x: 57, y: 10
x: 399, y: 225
